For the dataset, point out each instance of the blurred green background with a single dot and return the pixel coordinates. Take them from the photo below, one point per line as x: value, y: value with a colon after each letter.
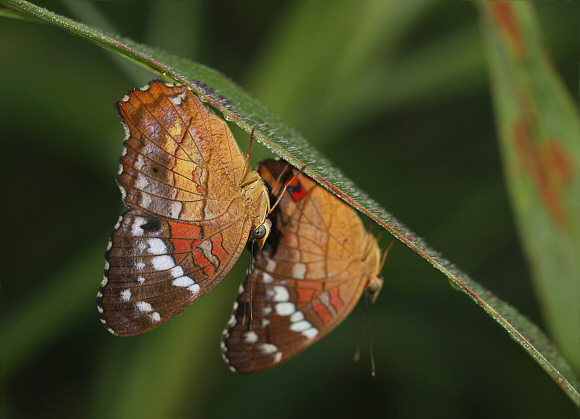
x: 395, y: 93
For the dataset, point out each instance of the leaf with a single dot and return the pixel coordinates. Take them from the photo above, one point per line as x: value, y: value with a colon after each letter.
x: 538, y: 126
x: 248, y: 113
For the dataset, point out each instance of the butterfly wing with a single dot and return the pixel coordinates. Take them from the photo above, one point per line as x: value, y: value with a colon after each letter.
x: 180, y: 173
x: 315, y: 267
x: 179, y: 161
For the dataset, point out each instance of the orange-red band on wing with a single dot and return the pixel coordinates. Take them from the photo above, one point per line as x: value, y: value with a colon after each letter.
x: 335, y: 300
x: 296, y: 190
x: 217, y: 249
x: 182, y: 236
x: 321, y: 310
x: 201, y: 261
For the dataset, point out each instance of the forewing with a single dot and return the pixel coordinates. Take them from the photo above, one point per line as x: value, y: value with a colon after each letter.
x: 179, y: 161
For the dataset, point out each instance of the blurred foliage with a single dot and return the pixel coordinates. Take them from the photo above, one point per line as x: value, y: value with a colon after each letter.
x: 390, y: 92
x: 539, y: 129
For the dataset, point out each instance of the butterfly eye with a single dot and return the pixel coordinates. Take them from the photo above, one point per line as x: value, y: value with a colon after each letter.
x: 259, y: 232
x: 374, y: 287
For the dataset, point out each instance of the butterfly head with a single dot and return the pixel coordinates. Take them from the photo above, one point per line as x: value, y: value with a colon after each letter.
x: 372, y: 260
x: 261, y: 233
x: 257, y: 201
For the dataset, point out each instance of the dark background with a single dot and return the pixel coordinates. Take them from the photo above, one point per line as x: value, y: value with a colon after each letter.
x: 423, y: 144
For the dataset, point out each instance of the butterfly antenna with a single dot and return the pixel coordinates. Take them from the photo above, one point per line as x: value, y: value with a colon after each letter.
x: 249, y: 290
x: 251, y: 297
x: 285, y: 186
x: 245, y: 316
x: 247, y: 164
x: 373, y: 369
x: 384, y: 258
x: 356, y: 356
x: 248, y: 316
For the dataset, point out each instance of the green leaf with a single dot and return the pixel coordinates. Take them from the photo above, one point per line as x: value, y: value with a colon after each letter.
x: 539, y: 127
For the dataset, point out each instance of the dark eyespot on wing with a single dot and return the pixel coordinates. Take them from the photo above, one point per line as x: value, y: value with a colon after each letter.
x: 153, y: 224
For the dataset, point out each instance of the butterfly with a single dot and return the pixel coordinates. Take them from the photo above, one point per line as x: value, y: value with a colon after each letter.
x: 193, y: 205
x: 308, y: 277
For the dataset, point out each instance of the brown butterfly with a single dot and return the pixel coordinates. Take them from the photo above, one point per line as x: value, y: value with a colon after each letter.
x: 193, y: 204
x: 312, y: 271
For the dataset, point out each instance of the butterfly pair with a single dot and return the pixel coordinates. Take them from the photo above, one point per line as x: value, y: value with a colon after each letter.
x: 194, y: 204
